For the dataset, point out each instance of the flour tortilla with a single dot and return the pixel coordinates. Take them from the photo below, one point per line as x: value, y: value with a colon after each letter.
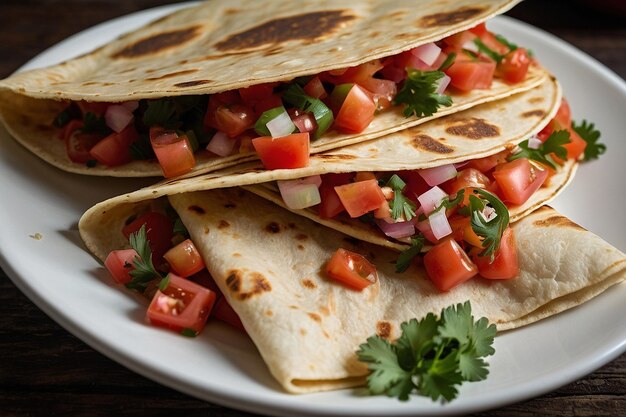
x: 223, y: 45
x: 269, y: 264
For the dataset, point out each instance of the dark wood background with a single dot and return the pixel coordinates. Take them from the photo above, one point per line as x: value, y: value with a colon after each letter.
x: 46, y: 371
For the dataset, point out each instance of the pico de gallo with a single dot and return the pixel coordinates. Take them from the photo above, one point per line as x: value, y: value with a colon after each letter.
x: 461, y: 210
x: 278, y: 120
x: 164, y: 265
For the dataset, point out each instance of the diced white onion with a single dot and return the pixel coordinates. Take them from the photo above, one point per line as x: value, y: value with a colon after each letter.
x: 298, y: 196
x: 397, y: 230
x: 443, y: 84
x: 424, y: 227
x: 438, y: 175
x: 431, y: 199
x: 471, y: 46
x: 221, y: 144
x: 117, y: 117
x: 281, y: 125
x: 131, y: 105
x: 534, y: 142
x: 427, y: 53
x: 439, y: 224
x: 488, y: 213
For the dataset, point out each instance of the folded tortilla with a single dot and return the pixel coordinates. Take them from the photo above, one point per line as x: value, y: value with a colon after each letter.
x: 224, y: 45
x: 269, y: 264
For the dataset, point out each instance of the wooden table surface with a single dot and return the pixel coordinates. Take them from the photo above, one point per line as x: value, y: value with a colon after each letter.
x: 46, y: 371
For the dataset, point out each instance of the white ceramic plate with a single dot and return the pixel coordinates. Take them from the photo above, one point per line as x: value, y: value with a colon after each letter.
x: 222, y: 366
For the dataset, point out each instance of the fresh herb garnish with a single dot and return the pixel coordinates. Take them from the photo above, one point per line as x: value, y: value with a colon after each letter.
x: 406, y: 256
x: 552, y: 145
x: 493, y: 229
x: 94, y: 124
x: 400, y: 205
x: 187, y: 332
x: 433, y: 355
x: 179, y: 228
x: 488, y: 51
x: 448, y: 62
x: 419, y: 93
x: 324, y: 118
x: 144, y: 271
x: 162, y: 113
x: 142, y: 149
x: 446, y: 203
x: 69, y: 113
x: 504, y: 41
x: 165, y: 282
x: 590, y: 134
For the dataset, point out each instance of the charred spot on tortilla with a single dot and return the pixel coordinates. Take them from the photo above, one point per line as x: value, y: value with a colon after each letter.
x: 303, y: 332
x: 301, y: 236
x: 473, y: 128
x: 450, y: 18
x: 308, y: 26
x: 223, y: 224
x: 535, y: 100
x: 426, y: 143
x: 230, y: 205
x: 158, y: 42
x: 269, y: 313
x: 233, y: 281
x: 531, y: 113
x: 558, y: 221
x: 259, y: 286
x: 192, y: 83
x: 196, y: 209
x: 172, y: 74
x: 337, y: 156
x: 315, y: 317
x: 300, y: 247
x: 383, y: 329
x: 308, y: 283
x: 292, y: 225
x: 273, y: 227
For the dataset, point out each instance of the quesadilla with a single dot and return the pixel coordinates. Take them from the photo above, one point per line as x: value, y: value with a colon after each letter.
x: 269, y: 264
x: 197, y: 90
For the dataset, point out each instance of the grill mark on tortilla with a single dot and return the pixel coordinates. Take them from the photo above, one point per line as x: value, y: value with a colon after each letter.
x: 294, y: 307
x: 196, y: 209
x: 223, y: 224
x: 236, y: 255
x: 158, y: 42
x: 258, y: 282
x: 300, y: 247
x: 269, y: 313
x: 192, y: 83
x: 231, y: 11
x: 308, y: 26
x: 309, y: 284
x: 336, y: 156
x: 473, y: 128
x: 450, y: 18
x: 206, y: 230
x: 301, y: 236
x: 535, y: 100
x: 558, y: 221
x: 315, y: 317
x: 172, y: 74
x: 429, y: 144
x: 273, y: 227
x: 230, y: 205
x: 531, y: 113
x: 383, y: 329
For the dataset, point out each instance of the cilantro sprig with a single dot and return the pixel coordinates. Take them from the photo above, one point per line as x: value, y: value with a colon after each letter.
x: 92, y: 123
x: 433, y: 355
x: 419, y: 95
x: 591, y: 135
x: 400, y: 205
x: 406, y: 256
x: 144, y: 271
x: 491, y: 231
x: 496, y: 56
x: 552, y: 145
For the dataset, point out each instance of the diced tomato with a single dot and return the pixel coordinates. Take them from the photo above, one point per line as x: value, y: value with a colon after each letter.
x: 114, y: 150
x: 351, y: 269
x: 174, y: 152
x: 304, y: 121
x: 505, y: 264
x: 119, y: 263
x: 181, y: 305
x: 159, y: 229
x: 224, y: 312
x: 577, y: 145
x: 545, y: 133
x: 447, y: 265
x: 78, y: 145
x: 462, y: 230
x: 479, y: 30
x: 518, y: 180
x: 356, y: 112
x: 357, y: 74
x: 468, y: 177
x: 314, y: 88
x: 457, y: 41
x: 290, y: 151
x: 383, y: 92
x: 392, y: 72
x: 227, y: 97
x: 270, y: 102
x: 360, y: 197
x: 487, y: 163
x: 415, y: 184
x: 234, y: 119
x: 96, y: 108
x: 254, y: 93
x: 564, y: 114
x: 467, y: 74
x: 489, y: 39
x: 184, y: 259
x: 514, y: 67
x: 330, y: 204
x: 407, y: 59
x: 69, y: 128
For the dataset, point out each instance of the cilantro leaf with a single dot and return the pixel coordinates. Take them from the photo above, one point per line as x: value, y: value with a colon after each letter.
x: 400, y: 205
x: 552, y: 145
x: 419, y: 93
x: 504, y: 41
x: 590, y: 134
x: 488, y: 51
x: 433, y: 355
x: 161, y: 112
x: 144, y: 271
x: 93, y: 123
x: 406, y: 256
x: 493, y: 229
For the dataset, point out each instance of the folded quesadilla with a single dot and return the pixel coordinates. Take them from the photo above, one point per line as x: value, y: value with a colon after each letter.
x: 218, y: 84
x: 270, y: 266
